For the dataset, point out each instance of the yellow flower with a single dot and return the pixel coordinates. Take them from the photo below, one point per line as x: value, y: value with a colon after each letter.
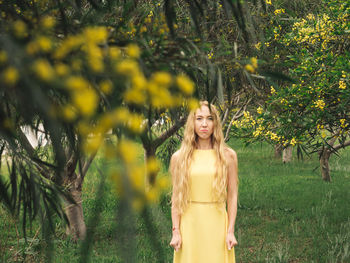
x: 76, y: 83
x: 133, y: 51
x: 106, y: 86
x: 193, y: 103
x: 121, y: 114
x: 43, y: 70
x: 293, y: 141
x: 254, y: 62
x: 260, y: 110
x: 128, y: 150
x: 343, y: 124
x: 162, y: 78
x: 44, y: 43
x: 279, y: 11
x: 135, y: 123
x: 268, y: 2
x: 96, y: 34
x: 152, y: 165
x: 258, y: 45
x: 342, y: 84
x: 68, y: 45
x: 95, y: 64
x: 85, y: 100
x: 47, y: 22
x: 93, y: 143
x: 20, y: 29
x: 134, y: 96
x: 152, y: 195
x: 320, y: 104
x: 61, y: 69
x: 185, y: 84
x: 114, y: 52
x: 69, y: 113
x: 127, y: 67
x: 137, y: 177
x: 249, y: 68
x: 139, y: 81
x: 10, y: 76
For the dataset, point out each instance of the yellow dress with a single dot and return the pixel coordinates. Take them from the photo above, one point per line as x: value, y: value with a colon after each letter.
x: 203, y: 225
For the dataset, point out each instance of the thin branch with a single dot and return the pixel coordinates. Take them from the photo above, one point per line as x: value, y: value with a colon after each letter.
x: 237, y: 115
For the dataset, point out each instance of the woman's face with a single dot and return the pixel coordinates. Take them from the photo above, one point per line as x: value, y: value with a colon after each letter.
x: 203, y: 122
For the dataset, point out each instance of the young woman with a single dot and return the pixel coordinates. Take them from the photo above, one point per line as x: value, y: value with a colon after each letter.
x: 205, y: 180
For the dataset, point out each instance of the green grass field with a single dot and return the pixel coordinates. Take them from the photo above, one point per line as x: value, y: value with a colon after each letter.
x: 286, y: 214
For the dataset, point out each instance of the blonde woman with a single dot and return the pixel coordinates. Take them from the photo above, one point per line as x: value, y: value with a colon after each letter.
x: 205, y: 181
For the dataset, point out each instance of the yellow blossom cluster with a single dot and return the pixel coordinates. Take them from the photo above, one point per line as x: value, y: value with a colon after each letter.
x: 133, y: 176
x: 320, y: 104
x: 273, y: 91
x: 252, y: 66
x: 85, y: 70
x: 342, y: 84
x: 316, y: 30
x: 279, y: 11
x: 343, y: 123
x: 156, y: 90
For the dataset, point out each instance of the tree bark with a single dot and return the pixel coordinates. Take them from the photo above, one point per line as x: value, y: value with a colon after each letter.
x: 324, y: 164
x: 287, y: 154
x: 74, y: 208
x: 74, y: 212
x: 278, y: 151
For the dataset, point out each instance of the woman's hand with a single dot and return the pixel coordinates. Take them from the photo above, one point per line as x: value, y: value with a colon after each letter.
x: 231, y: 240
x: 176, y: 240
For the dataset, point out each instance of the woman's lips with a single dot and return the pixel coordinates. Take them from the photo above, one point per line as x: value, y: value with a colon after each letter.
x: 203, y: 130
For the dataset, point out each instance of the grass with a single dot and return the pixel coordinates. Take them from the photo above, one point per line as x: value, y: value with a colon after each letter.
x: 286, y: 214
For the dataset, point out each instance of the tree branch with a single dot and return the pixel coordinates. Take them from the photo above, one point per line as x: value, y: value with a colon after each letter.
x: 165, y: 135
x: 237, y: 115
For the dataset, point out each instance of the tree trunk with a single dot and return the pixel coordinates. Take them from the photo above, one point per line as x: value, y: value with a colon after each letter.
x: 278, y: 151
x: 287, y: 154
x: 324, y: 163
x: 74, y: 211
x: 150, y: 152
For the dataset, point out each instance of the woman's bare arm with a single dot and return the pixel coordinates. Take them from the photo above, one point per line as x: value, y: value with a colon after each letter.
x: 232, y: 189
x: 175, y: 216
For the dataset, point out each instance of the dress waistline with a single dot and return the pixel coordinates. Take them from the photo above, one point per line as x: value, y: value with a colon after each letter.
x: 199, y: 202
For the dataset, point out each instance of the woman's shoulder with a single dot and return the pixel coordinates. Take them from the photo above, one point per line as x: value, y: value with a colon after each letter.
x: 230, y: 153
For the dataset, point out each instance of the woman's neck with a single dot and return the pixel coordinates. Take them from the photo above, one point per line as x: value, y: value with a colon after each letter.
x: 204, y: 144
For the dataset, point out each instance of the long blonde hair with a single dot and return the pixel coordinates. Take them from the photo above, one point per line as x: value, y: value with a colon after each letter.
x: 181, y: 182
